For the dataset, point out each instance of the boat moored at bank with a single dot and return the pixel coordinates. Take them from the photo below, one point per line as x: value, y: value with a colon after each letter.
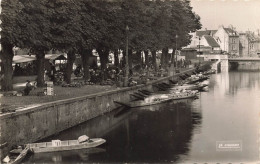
x: 57, y: 145
x: 160, y: 98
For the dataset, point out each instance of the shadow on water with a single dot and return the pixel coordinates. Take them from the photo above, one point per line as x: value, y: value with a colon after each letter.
x: 81, y: 155
x: 159, y: 133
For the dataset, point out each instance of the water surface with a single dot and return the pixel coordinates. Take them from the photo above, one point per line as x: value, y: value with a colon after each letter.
x: 184, y: 131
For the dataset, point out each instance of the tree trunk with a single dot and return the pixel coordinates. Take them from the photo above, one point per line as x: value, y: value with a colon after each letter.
x: 69, y: 68
x: 154, y: 59
x: 146, y: 58
x: 85, y: 54
x: 116, y: 58
x: 139, y: 57
x: 103, y: 55
x: 40, y: 57
x: 164, y: 62
x: 7, y: 69
x: 173, y: 57
x: 130, y: 58
x: 142, y: 60
x: 123, y: 60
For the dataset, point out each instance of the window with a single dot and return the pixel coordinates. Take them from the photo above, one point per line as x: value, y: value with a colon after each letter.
x: 251, y: 46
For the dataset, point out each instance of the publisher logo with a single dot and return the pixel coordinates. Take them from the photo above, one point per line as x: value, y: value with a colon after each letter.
x: 229, y: 145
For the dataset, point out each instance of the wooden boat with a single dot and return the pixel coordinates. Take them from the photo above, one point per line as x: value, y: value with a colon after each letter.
x: 3, y: 145
x: 158, y: 107
x: 15, y: 159
x: 211, y: 71
x: 58, y: 145
x: 196, y: 79
x: 159, y: 98
x: 190, y: 87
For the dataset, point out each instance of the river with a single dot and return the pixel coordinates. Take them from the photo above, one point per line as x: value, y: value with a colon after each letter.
x: 185, y: 131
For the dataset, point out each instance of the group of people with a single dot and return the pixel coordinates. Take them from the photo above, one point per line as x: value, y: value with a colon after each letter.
x: 25, y: 70
x: 28, y: 88
x: 182, y: 63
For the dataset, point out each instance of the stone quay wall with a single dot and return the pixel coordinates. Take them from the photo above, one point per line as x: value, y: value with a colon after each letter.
x: 34, y: 123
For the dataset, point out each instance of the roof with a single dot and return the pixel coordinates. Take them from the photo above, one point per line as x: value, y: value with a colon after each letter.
x: 23, y: 58
x: 205, y: 32
x: 252, y: 37
x: 211, y: 41
x: 213, y: 32
x: 231, y: 32
x: 201, y: 33
x: 188, y: 49
x: 55, y: 56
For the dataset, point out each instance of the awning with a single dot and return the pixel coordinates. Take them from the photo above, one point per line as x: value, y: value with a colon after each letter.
x: 61, y: 57
x: 23, y: 58
x: 55, y: 57
x: 27, y: 58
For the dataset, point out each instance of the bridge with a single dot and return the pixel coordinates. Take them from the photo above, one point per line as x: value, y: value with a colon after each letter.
x: 224, y: 60
x: 243, y: 59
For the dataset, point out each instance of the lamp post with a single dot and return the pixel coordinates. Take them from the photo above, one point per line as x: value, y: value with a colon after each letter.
x: 176, y: 37
x: 126, y: 58
x: 199, y: 50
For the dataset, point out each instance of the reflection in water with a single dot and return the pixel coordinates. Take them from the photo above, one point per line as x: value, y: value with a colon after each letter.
x: 243, y: 80
x: 230, y: 112
x: 160, y: 133
x: 60, y: 157
x: 184, y: 131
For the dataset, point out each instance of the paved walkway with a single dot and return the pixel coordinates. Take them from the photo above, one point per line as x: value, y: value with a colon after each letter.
x: 61, y: 93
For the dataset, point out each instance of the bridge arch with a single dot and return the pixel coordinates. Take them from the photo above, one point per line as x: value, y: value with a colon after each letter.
x: 221, y: 61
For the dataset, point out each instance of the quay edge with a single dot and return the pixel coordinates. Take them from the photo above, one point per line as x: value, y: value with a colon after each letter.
x: 34, y: 123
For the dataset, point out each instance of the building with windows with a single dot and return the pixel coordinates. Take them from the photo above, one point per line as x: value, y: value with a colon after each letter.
x: 228, y: 39
x: 204, y: 42
x: 249, y: 44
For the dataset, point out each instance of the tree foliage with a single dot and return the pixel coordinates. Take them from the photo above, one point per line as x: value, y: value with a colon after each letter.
x: 79, y: 26
x: 9, y: 31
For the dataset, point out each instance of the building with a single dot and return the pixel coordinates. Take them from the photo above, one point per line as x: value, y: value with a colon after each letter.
x: 209, y: 44
x: 204, y: 41
x: 216, y: 41
x: 249, y: 44
x: 228, y: 39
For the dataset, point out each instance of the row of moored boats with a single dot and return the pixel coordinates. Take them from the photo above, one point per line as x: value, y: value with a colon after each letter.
x: 188, y: 87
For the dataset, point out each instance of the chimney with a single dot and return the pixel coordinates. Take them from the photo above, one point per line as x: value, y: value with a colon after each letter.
x: 205, y: 29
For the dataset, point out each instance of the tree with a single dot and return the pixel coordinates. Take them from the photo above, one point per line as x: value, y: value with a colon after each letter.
x: 111, y: 29
x: 9, y: 39
x: 65, y: 30
x: 35, y: 23
x: 91, y: 24
x: 71, y: 56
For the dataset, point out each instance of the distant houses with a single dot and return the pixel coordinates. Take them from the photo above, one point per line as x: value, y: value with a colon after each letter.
x: 249, y: 44
x: 225, y: 40
x: 228, y: 40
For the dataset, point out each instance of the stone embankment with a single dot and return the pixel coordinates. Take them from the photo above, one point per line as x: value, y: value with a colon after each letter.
x: 40, y: 121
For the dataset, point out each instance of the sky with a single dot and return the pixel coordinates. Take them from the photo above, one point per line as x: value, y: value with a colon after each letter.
x: 242, y: 14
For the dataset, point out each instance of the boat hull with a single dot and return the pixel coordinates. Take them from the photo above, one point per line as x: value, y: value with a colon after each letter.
x: 18, y: 159
x: 141, y: 103
x: 190, y: 87
x: 64, y: 146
